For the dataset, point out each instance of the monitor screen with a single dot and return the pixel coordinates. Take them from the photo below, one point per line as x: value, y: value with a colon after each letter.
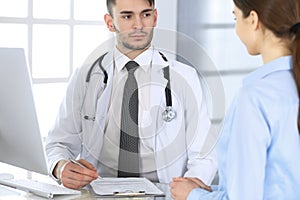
x: 20, y: 140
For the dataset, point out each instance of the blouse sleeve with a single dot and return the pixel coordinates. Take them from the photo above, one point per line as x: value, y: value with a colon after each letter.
x: 245, y: 140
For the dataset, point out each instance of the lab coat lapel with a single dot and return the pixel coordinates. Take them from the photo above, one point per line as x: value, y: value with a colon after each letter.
x: 157, y: 100
x: 158, y: 81
x: 104, y: 99
x: 158, y: 84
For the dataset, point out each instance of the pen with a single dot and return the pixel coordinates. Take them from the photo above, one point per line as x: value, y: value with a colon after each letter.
x: 81, y: 165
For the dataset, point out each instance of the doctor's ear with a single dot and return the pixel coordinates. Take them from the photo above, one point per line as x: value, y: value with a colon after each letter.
x: 109, y: 22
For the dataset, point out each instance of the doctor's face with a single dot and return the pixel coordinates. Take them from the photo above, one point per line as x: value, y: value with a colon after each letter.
x: 133, y: 22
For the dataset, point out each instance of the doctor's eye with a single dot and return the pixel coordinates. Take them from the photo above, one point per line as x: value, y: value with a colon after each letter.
x: 147, y: 14
x: 126, y: 16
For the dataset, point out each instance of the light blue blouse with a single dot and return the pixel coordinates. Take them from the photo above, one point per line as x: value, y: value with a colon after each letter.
x: 259, y: 147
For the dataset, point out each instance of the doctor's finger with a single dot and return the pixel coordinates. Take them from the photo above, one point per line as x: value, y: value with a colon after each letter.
x: 75, y: 168
x: 87, y: 164
x: 73, y: 184
x: 75, y: 180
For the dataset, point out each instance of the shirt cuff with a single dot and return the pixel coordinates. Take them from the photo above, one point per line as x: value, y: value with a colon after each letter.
x: 197, y: 194
x: 58, y: 180
x: 201, y: 194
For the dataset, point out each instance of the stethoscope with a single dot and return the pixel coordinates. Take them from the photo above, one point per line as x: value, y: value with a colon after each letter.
x: 168, y: 114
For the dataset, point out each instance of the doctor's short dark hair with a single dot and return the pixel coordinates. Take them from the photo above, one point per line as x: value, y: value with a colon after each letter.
x: 111, y: 3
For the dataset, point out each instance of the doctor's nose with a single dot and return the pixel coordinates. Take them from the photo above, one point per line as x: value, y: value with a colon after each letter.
x: 138, y: 23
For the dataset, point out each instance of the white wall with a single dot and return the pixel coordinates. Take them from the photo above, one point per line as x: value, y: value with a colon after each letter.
x: 211, y: 24
x: 166, y: 29
x: 167, y: 13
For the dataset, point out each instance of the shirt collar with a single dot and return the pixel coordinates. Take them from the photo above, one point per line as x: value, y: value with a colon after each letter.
x: 144, y: 59
x: 278, y: 64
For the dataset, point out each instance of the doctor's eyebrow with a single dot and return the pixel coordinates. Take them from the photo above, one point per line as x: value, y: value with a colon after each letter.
x: 131, y: 12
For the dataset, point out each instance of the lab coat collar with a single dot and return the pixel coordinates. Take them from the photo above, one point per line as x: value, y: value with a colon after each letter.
x: 278, y: 64
x: 158, y: 80
x: 107, y: 61
x: 158, y: 62
x: 147, y: 59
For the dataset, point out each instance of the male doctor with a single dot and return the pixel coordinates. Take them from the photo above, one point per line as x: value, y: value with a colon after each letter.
x: 116, y: 131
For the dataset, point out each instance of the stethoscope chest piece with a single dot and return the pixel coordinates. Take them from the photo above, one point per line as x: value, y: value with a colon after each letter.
x: 169, y: 114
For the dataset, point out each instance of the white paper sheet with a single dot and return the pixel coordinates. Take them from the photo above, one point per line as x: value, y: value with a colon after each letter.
x: 125, y: 186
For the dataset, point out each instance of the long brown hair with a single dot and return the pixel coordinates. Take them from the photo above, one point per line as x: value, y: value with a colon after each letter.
x: 283, y: 19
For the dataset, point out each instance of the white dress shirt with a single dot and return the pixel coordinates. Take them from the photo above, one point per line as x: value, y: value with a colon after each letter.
x: 112, y: 130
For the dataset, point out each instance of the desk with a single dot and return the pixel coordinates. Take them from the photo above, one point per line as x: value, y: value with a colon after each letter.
x: 7, y: 193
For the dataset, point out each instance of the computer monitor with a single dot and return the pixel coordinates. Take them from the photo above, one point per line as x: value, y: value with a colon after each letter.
x: 20, y: 140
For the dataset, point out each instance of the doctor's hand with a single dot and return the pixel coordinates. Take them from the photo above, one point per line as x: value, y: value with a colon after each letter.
x: 73, y: 175
x: 181, y: 187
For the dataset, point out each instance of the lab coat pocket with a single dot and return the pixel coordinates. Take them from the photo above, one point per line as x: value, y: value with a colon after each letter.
x: 169, y: 132
x: 92, y: 137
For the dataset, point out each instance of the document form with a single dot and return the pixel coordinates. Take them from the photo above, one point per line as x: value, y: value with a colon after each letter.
x: 125, y: 187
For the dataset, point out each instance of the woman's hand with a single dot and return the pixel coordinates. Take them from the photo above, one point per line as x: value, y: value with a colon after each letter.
x: 181, y: 187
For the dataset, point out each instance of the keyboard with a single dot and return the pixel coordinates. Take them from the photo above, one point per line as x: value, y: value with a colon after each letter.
x: 38, y: 188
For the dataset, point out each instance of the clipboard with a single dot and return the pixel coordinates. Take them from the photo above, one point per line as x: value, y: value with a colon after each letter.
x: 125, y: 187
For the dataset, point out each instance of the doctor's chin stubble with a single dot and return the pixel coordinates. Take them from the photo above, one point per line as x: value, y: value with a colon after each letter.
x: 193, y: 55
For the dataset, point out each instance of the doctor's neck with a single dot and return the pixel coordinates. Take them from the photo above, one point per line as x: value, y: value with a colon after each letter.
x: 132, y: 53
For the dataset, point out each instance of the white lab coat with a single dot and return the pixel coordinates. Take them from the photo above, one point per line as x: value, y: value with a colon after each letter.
x: 177, y: 144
